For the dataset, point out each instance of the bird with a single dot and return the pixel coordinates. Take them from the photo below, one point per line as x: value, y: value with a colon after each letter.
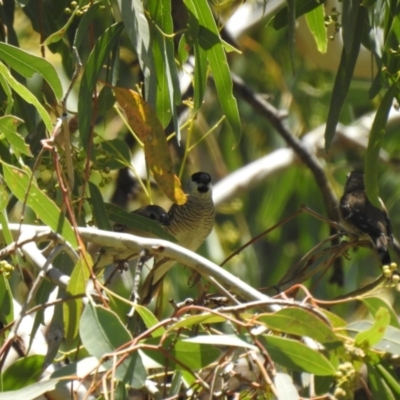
x: 152, y: 212
x: 189, y: 223
x: 360, y: 217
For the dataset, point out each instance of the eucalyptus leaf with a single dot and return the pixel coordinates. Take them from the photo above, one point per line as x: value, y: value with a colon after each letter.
x: 28, y: 64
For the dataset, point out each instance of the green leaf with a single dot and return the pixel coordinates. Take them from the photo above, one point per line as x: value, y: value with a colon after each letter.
x: 377, y: 384
x: 30, y: 368
x: 298, y: 357
x: 302, y: 7
x: 132, y: 14
x: 58, y: 35
x: 200, y: 57
x: 116, y: 154
x: 140, y: 225
x: 210, y: 41
x: 26, y: 95
x: 374, y: 303
x: 291, y: 4
x: 20, y: 184
x: 316, y: 23
x: 6, y: 299
x: 168, y: 90
x: 349, y: 23
x: 390, y: 343
x: 102, y: 332
x: 31, y: 392
x: 390, y: 377
x: 8, y: 93
x: 8, y: 127
x: 92, y: 70
x: 343, y: 78
x: 85, y: 22
x: 335, y: 320
x: 183, y: 53
x: 28, y: 64
x: 99, y: 208
x: 149, y: 320
x: 189, y: 321
x: 374, y: 146
x: 374, y: 334
x: 72, y: 308
x: 301, y: 323
x: 192, y: 355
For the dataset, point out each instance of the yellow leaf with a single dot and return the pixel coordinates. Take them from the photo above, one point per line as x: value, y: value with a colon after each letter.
x: 143, y: 120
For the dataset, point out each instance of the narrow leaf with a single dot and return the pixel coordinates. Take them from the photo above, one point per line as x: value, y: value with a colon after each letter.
x: 85, y: 22
x: 133, y: 16
x: 163, y: 48
x: 379, y: 388
x: 28, y: 64
x: 205, y: 318
x: 374, y: 303
x: 298, y: 357
x: 58, y: 35
x: 30, y: 392
x: 26, y: 95
x: 301, y: 323
x: 102, y: 332
x: 291, y: 4
x: 210, y: 41
x: 93, y: 68
x: 343, y: 79
x: 390, y: 343
x: 6, y: 299
x: 192, y: 355
x: 116, y: 154
x: 374, y: 145
x: 374, y: 335
x: 8, y: 127
x: 302, y: 7
x: 390, y: 377
x: 316, y: 23
x: 200, y: 57
x: 30, y: 368
x: 149, y: 320
x: 72, y: 308
x: 349, y: 23
x: 99, y: 208
x: 18, y: 181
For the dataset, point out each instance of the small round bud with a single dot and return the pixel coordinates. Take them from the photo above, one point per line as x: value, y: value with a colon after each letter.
x: 387, y: 273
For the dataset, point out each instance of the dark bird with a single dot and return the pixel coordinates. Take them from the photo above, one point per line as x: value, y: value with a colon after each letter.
x: 190, y: 223
x: 360, y: 217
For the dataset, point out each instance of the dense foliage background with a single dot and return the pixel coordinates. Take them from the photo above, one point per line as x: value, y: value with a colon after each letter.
x: 278, y: 101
